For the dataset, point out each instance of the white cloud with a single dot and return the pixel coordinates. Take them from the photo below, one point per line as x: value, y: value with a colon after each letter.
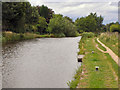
x: 109, y: 10
x: 77, y: 0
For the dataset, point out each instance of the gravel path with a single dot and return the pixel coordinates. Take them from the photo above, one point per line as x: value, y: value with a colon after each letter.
x: 111, y: 53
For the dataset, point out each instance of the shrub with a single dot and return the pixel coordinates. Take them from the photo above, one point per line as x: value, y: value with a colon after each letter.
x: 88, y: 34
x: 115, y: 28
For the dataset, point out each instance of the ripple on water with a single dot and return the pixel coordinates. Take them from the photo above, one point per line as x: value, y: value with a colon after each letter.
x: 40, y: 63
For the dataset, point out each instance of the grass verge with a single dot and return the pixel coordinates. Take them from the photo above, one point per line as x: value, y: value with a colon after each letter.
x: 74, y: 83
x: 105, y: 77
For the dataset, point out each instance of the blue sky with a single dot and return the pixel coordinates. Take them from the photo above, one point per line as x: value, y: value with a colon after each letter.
x: 78, y: 8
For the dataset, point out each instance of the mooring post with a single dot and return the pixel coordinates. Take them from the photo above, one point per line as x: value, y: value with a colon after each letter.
x: 80, y: 57
x: 92, y: 51
x: 97, y: 68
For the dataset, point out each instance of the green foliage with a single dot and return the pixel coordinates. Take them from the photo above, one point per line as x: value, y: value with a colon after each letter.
x: 42, y: 25
x: 81, y: 46
x: 88, y: 34
x: 104, y: 78
x: 115, y: 28
x: 68, y: 18
x: 13, y: 16
x: 8, y: 36
x: 107, y: 26
x: 12, y: 37
x: 34, y: 16
x: 45, y: 12
x: 70, y: 29
x: 99, y: 20
x: 111, y: 39
x: 61, y: 26
x: 74, y: 83
x: 59, y: 35
x: 56, y: 25
x: 90, y: 23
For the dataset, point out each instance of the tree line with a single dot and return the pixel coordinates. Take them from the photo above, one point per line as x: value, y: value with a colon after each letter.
x: 21, y: 17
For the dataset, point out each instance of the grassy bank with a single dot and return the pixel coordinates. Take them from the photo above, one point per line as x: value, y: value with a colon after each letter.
x: 8, y: 37
x: 110, y: 40
x: 86, y: 76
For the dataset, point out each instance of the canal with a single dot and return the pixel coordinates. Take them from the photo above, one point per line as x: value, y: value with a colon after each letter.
x: 40, y: 63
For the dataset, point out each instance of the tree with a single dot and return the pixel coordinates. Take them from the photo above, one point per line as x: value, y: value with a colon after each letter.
x: 56, y: 25
x: 68, y: 18
x: 61, y: 26
x: 86, y: 24
x: 34, y: 16
x: 99, y: 20
x: 42, y: 25
x: 13, y: 16
x: 70, y: 29
x: 90, y: 23
x: 45, y: 12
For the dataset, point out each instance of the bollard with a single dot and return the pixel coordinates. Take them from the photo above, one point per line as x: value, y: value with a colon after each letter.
x: 92, y: 51
x: 97, y: 68
x: 80, y: 57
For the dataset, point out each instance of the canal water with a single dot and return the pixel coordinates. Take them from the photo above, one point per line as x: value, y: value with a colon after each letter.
x: 40, y: 63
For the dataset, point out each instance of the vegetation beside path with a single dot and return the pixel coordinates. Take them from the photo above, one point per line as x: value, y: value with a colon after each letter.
x: 111, y: 41
x: 87, y: 76
x: 99, y: 45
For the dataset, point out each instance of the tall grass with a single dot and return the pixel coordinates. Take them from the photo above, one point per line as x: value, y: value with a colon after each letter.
x: 110, y: 39
x: 88, y: 34
x: 12, y: 37
x: 74, y: 83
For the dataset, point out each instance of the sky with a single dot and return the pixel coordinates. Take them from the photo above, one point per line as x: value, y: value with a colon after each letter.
x: 80, y: 8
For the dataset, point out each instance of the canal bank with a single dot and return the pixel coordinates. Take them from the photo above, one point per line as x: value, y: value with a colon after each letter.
x: 11, y: 37
x: 86, y: 76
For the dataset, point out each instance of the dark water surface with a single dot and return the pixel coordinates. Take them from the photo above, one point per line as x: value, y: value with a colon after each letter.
x: 40, y: 63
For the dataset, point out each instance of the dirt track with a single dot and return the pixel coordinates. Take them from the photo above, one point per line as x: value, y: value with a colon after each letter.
x: 111, y: 53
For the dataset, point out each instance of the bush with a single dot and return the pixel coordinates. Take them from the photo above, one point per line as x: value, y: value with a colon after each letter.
x: 88, y: 34
x: 115, y: 28
x: 70, y: 29
x: 37, y: 33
